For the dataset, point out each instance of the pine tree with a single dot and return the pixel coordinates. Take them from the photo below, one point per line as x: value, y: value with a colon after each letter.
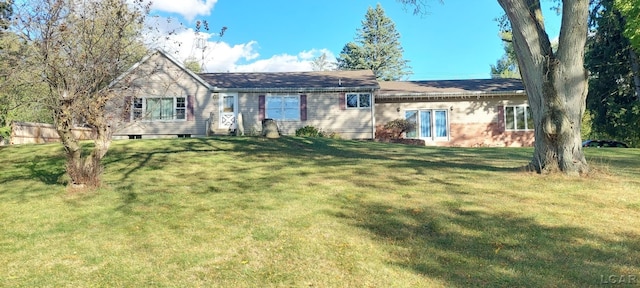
x: 376, y: 47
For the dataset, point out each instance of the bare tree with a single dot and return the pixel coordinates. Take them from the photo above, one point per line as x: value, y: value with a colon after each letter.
x: 78, y: 48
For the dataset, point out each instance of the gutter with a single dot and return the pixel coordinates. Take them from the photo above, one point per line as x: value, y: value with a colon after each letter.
x: 447, y: 95
x: 297, y: 90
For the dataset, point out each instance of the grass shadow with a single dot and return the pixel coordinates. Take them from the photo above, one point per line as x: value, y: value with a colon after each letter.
x: 468, y: 248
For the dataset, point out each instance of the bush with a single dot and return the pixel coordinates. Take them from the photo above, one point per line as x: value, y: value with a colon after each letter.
x: 5, y: 134
x: 308, y: 131
x: 399, y: 126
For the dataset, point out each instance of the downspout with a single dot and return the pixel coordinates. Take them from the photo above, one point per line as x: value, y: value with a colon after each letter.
x: 373, y: 115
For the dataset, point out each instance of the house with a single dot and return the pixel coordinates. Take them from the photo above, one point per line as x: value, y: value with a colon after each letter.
x: 480, y: 112
x: 164, y: 99
x: 168, y: 100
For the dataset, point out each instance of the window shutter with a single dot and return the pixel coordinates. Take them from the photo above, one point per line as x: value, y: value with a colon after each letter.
x: 261, y: 107
x: 190, y: 103
x: 303, y: 107
x: 342, y: 100
x: 126, y: 109
x: 501, y: 126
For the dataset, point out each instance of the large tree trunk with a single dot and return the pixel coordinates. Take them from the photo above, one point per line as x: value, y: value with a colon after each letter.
x: 556, y: 83
x: 84, y: 171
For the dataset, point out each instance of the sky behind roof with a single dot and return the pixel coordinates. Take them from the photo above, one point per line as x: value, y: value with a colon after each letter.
x: 455, y: 40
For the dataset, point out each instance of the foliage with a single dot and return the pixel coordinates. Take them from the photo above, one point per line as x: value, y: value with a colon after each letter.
x: 612, y: 98
x: 399, y: 126
x: 193, y: 65
x: 310, y: 131
x: 77, y: 50
x: 6, y: 10
x: 630, y: 10
x: 302, y: 212
x: 5, y: 133
x: 377, y: 48
x: 587, y: 125
x: 507, y: 65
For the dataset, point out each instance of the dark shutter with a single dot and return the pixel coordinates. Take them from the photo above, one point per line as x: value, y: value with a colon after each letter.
x: 501, y: 126
x: 261, y: 107
x: 303, y: 107
x: 342, y: 101
x: 190, y: 104
x: 126, y: 109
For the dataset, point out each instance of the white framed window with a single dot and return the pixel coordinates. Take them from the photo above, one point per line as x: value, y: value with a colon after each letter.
x: 429, y: 124
x: 358, y: 100
x: 518, y: 118
x: 283, y: 107
x: 159, y: 108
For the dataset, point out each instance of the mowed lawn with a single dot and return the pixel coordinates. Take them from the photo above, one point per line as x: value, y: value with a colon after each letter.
x: 296, y: 212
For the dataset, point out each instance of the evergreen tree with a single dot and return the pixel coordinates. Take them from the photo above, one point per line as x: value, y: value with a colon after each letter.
x: 612, y: 99
x: 377, y: 47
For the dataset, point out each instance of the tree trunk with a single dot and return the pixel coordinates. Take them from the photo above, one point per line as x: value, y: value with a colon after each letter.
x: 556, y: 84
x: 83, y: 171
x: 635, y: 70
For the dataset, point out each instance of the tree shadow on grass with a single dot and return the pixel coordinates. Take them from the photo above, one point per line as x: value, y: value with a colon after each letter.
x: 468, y: 248
x: 322, y: 151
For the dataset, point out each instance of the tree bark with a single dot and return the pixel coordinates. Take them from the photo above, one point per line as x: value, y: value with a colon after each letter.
x: 635, y: 70
x: 556, y: 84
x: 84, y: 171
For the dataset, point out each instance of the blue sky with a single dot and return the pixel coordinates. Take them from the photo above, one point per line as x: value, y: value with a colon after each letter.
x: 455, y: 40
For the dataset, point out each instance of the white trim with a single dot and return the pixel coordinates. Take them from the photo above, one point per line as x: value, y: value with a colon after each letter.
x: 221, y: 112
x: 515, y: 118
x: 432, y: 121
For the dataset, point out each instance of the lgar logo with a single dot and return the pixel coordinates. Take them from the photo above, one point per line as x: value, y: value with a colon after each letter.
x: 619, y: 279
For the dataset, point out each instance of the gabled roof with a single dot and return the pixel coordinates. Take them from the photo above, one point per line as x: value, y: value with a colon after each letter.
x: 449, y: 88
x: 170, y: 58
x: 323, y: 81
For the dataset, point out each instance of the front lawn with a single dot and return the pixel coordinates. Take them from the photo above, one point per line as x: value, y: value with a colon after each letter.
x: 296, y: 212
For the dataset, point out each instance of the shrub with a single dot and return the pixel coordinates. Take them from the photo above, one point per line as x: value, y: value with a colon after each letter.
x: 399, y: 126
x: 308, y: 131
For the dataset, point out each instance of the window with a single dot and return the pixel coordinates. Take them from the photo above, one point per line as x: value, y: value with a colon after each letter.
x: 517, y: 118
x: 283, y: 107
x: 429, y: 124
x: 358, y: 100
x: 227, y: 103
x: 160, y: 109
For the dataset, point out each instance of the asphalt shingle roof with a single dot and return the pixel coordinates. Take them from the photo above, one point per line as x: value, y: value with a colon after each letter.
x: 450, y: 86
x: 292, y: 80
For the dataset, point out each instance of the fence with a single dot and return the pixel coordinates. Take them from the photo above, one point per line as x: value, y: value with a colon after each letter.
x: 28, y: 132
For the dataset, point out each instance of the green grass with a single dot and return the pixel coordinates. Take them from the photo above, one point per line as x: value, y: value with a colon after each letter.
x: 296, y: 212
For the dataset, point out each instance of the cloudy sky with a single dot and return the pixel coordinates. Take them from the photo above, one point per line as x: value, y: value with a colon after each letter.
x: 455, y: 40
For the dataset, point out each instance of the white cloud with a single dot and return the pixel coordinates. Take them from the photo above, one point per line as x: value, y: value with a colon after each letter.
x: 189, y: 9
x: 219, y: 56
